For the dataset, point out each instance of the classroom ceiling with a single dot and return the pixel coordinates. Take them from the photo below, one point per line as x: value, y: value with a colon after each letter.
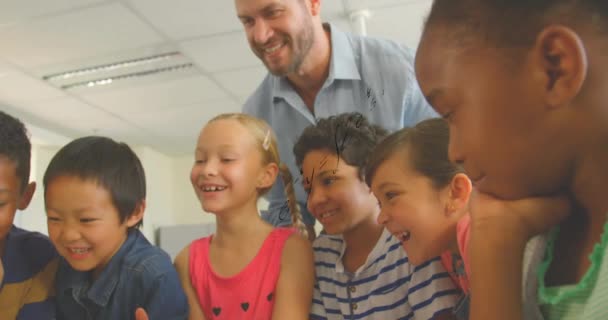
x: 197, y: 48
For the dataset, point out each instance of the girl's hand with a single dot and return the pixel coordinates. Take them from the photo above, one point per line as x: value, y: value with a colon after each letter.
x: 522, y: 218
x: 500, y: 230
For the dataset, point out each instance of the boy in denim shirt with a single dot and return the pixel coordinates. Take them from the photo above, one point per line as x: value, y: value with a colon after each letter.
x: 94, y: 194
x: 28, y: 261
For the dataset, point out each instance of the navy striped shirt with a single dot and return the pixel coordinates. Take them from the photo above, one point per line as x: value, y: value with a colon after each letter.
x: 385, y: 287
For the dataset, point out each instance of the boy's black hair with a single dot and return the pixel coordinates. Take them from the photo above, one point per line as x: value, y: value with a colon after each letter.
x: 113, y: 165
x: 15, y: 145
x: 513, y: 23
x: 350, y: 136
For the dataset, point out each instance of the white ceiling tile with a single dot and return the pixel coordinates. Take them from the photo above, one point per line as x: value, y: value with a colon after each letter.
x: 84, y: 33
x: 220, y: 53
x: 181, y: 19
x: 186, y: 121
x: 155, y: 96
x: 73, y: 116
x: 66, y: 111
x: 15, y: 11
x: 17, y: 88
x: 409, y: 17
x: 242, y: 82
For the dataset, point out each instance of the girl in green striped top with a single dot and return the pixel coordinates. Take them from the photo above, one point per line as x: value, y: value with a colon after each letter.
x: 524, y: 87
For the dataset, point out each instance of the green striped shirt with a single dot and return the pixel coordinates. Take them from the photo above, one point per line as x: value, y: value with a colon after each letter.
x: 587, y: 300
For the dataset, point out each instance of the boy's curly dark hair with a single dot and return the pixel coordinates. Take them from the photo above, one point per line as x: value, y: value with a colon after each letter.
x: 350, y: 136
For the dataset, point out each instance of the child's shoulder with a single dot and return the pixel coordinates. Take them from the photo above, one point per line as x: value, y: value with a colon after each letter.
x: 29, y: 247
x: 147, y: 259
x: 326, y: 240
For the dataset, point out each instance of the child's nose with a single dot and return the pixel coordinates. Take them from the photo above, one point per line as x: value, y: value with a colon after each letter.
x: 315, y: 198
x: 70, y: 234
x: 210, y: 168
x: 383, y: 217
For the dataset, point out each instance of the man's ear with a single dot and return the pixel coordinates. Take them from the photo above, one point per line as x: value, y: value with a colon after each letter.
x: 26, y: 196
x: 560, y: 54
x: 137, y: 215
x: 460, y: 192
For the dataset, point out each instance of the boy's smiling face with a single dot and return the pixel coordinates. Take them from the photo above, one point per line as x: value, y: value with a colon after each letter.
x: 11, y: 197
x: 84, y: 225
x: 337, y: 197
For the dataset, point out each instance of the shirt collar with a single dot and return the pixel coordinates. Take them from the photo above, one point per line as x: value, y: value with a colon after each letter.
x: 103, y: 287
x: 379, y: 249
x: 342, y: 64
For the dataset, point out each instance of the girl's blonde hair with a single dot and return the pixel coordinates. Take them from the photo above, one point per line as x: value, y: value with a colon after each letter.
x: 267, y: 145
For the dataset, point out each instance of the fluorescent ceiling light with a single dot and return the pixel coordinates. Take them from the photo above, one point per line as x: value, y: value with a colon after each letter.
x: 111, y: 66
x: 106, y: 81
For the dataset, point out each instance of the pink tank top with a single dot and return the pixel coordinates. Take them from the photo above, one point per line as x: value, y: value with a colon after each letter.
x: 458, y: 265
x: 247, y: 295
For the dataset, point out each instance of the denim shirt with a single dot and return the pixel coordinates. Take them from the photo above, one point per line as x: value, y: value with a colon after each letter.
x: 369, y: 75
x: 138, y: 275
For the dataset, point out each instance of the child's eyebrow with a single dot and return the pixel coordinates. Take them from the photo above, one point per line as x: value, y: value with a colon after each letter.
x: 386, y: 184
x: 327, y: 172
x: 78, y: 211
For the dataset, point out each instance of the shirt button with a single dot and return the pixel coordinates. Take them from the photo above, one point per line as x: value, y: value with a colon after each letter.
x: 355, y: 306
x: 352, y: 289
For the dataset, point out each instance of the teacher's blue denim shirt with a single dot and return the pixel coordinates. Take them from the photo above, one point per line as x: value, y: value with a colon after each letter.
x: 138, y: 275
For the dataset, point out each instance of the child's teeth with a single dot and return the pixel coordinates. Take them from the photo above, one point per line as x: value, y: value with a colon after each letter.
x: 214, y: 188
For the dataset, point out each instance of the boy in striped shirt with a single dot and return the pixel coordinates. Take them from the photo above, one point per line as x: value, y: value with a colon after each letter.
x: 361, y: 270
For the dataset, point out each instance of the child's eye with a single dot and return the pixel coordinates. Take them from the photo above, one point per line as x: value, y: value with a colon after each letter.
x: 52, y: 219
x: 390, y: 195
x: 328, y: 181
x: 447, y: 116
x: 226, y: 160
x: 87, y: 220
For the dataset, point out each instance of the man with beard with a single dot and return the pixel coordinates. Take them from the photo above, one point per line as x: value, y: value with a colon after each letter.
x: 315, y: 71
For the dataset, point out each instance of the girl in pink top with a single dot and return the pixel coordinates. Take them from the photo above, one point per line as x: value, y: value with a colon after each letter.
x: 247, y: 269
x: 424, y: 198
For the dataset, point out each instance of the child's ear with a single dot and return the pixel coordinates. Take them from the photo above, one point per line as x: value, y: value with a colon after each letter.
x: 460, y: 191
x: 561, y: 56
x: 26, y: 196
x: 268, y: 176
x: 137, y: 214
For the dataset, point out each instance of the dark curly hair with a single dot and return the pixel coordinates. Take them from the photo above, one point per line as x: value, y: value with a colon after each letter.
x: 349, y: 135
x: 15, y: 145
